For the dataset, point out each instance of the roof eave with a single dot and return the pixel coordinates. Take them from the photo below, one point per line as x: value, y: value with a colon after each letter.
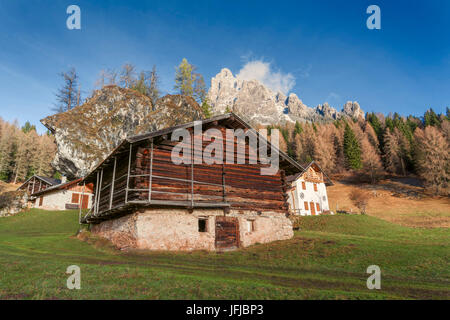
x: 57, y: 187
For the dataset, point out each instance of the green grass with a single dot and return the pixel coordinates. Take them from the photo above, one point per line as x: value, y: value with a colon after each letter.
x: 326, y: 259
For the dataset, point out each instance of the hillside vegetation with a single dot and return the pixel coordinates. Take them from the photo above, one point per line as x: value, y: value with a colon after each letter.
x: 6, y: 187
x: 377, y: 146
x: 24, y: 152
x: 327, y: 259
x: 395, y: 201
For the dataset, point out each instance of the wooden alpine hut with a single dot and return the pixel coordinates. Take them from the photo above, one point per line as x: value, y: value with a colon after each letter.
x: 144, y: 199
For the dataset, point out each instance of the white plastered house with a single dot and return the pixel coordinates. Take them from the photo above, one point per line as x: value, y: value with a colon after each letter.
x: 308, y: 191
x: 68, y: 195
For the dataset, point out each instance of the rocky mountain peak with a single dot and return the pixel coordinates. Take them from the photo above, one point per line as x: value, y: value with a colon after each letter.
x: 327, y: 112
x: 352, y: 109
x: 248, y: 98
x: 225, y: 73
x: 296, y: 107
x: 259, y: 104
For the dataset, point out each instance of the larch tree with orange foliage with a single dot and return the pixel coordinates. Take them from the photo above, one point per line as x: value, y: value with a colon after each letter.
x: 433, y: 159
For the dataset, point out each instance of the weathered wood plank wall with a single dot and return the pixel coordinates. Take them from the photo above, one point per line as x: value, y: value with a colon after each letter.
x: 245, y: 187
x: 35, y: 185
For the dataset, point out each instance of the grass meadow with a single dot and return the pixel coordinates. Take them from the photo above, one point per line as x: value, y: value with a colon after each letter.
x: 326, y: 259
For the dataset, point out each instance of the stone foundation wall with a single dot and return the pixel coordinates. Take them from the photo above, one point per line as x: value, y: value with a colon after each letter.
x: 267, y: 229
x: 121, y: 231
x: 177, y: 229
x: 174, y: 230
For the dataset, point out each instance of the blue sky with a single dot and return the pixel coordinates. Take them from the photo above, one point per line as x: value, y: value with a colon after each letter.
x: 323, y: 46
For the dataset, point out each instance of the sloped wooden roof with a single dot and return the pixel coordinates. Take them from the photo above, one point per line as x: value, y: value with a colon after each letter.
x: 48, y: 180
x: 292, y: 178
x: 230, y: 120
x: 61, y: 186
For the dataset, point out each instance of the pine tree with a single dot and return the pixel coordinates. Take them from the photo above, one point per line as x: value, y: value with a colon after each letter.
x: 101, y: 80
x: 397, y: 152
x: 298, y: 127
x: 307, y: 141
x: 413, y: 122
x: 291, y: 140
x: 66, y: 97
x: 153, y: 91
x: 207, y: 110
x: 433, y: 159
x: 324, y: 148
x: 21, y: 162
x: 298, y: 147
x: 47, y: 151
x: 338, y: 145
x: 184, y: 78
x: 111, y: 76
x: 282, y: 144
x: 430, y: 118
x: 445, y: 127
x: 376, y: 124
x: 140, y: 84
x: 371, y: 160
x: 147, y: 83
x: 285, y: 132
x: 388, y: 124
x: 7, y: 149
x: 188, y: 82
x: 405, y: 129
x: 352, y: 149
x: 28, y: 127
x: 128, y: 76
x: 199, y: 88
x: 372, y: 136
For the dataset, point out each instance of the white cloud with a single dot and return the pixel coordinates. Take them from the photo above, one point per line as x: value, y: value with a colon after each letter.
x: 262, y: 71
x: 333, y: 96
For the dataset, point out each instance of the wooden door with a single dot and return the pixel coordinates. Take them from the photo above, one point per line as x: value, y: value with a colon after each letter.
x: 85, y: 201
x: 313, y: 208
x: 227, y: 232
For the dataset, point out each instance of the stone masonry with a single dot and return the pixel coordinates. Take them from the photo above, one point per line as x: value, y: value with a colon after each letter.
x: 177, y: 229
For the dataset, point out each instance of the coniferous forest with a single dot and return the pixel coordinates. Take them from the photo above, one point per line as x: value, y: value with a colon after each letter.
x: 23, y: 152
x: 375, y: 146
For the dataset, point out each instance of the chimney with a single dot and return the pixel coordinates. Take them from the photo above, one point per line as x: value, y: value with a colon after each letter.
x: 63, y: 179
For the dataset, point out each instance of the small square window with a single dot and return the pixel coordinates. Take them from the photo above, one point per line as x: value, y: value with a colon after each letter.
x: 250, y: 225
x: 202, y: 225
x: 303, y: 185
x: 75, y: 198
